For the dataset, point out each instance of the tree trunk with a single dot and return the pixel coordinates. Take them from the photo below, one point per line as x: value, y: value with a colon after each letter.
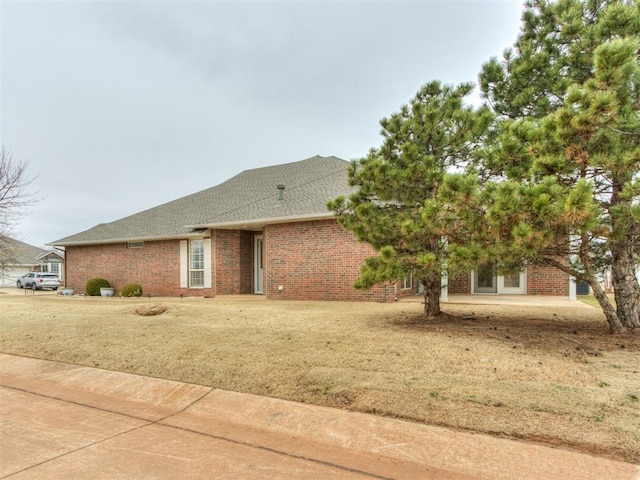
x: 625, y: 285
x: 623, y: 278
x: 615, y: 326
x: 432, y: 287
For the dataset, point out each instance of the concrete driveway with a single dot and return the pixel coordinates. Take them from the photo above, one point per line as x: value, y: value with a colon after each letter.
x: 62, y: 421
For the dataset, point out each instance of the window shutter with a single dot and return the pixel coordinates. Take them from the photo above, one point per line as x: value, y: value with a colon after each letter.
x: 184, y: 264
x: 207, y: 263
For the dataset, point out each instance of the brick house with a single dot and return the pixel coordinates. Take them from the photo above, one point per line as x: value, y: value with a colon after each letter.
x: 19, y: 258
x: 265, y: 231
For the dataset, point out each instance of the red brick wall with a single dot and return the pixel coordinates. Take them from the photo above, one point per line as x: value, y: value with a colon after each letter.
x: 156, y: 267
x: 316, y: 260
x: 547, y: 281
x: 232, y: 256
x: 460, y: 284
x: 246, y: 261
x: 400, y: 293
x: 227, y: 255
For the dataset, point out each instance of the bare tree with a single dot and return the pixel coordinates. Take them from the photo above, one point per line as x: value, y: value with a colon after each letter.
x: 15, y: 194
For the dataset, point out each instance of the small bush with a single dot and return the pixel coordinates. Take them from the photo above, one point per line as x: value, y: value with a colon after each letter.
x: 131, y: 290
x: 95, y: 284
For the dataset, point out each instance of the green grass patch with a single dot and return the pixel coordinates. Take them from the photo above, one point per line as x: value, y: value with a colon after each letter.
x: 591, y: 300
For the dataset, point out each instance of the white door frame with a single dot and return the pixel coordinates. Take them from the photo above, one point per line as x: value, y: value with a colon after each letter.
x: 520, y: 290
x: 500, y: 287
x: 258, y: 264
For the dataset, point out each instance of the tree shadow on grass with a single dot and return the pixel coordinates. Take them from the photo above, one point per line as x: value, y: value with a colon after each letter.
x: 565, y: 332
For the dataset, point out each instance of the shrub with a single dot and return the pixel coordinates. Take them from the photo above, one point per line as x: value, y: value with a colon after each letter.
x: 95, y: 284
x: 131, y: 290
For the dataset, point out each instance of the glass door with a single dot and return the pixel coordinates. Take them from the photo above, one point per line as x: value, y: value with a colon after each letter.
x: 512, y: 283
x: 485, y: 279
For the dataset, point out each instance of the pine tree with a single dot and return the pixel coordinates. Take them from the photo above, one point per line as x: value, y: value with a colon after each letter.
x: 567, y: 148
x: 411, y: 189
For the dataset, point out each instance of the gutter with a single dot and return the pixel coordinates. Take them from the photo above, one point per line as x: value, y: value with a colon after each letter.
x: 123, y: 240
x: 260, y: 222
x: 238, y: 224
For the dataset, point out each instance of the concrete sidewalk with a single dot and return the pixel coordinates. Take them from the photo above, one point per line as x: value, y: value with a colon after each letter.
x: 61, y: 421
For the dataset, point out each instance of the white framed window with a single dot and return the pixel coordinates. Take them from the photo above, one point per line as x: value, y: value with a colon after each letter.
x: 196, y: 263
x: 406, y: 283
x: 50, y: 267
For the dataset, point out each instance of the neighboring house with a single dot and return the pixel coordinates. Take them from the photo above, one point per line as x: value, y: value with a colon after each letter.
x: 18, y: 258
x: 265, y: 231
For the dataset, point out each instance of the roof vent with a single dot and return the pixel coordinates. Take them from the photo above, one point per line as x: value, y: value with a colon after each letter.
x: 280, y: 194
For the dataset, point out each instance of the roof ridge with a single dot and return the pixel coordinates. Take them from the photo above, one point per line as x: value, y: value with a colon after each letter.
x: 258, y: 200
x: 229, y: 180
x: 288, y: 164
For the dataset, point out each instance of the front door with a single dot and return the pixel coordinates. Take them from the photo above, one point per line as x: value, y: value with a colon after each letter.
x: 258, y: 269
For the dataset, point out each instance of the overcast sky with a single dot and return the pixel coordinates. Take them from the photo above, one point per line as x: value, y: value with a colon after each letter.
x: 120, y: 106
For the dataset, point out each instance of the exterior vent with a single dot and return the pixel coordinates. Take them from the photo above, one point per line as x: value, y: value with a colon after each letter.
x: 280, y: 194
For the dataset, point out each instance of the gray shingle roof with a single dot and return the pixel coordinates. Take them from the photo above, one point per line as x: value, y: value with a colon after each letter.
x: 250, y: 198
x: 15, y: 252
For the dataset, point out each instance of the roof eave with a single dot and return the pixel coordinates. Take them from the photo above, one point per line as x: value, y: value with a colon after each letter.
x: 124, y: 240
x: 261, y: 222
x: 23, y: 264
x: 42, y: 255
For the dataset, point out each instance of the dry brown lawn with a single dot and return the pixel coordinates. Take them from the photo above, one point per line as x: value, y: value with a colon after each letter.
x: 549, y: 375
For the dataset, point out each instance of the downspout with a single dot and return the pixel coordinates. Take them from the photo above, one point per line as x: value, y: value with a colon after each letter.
x: 572, y: 288
x: 444, y: 277
x: 65, y: 267
x: 444, y: 287
x: 214, y: 255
